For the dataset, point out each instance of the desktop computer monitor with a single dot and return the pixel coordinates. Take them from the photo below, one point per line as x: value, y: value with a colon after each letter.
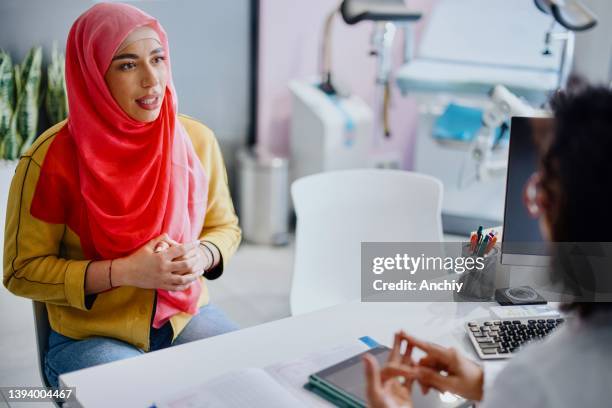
x: 522, y: 241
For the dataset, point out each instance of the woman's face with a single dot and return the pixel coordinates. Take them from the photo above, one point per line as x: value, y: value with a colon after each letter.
x: 137, y: 75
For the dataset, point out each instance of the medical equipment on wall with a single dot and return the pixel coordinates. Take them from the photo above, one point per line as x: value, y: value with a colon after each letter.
x: 328, y: 132
x: 574, y: 17
x: 504, y: 105
x: 331, y: 129
x: 571, y: 14
x: 386, y: 16
x: 467, y: 49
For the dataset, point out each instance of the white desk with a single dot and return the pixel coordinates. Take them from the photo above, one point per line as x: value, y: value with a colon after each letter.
x: 139, y: 381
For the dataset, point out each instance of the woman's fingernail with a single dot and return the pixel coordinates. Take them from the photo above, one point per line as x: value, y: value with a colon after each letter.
x: 161, y: 246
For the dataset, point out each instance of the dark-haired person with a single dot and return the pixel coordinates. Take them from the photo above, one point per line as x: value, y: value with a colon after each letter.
x: 118, y: 215
x: 572, y: 367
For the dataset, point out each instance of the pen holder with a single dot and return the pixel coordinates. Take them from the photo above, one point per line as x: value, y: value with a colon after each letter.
x: 478, y: 284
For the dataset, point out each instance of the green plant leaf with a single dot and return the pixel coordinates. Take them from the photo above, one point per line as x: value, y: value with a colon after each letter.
x: 56, y: 102
x: 28, y: 100
x: 7, y: 93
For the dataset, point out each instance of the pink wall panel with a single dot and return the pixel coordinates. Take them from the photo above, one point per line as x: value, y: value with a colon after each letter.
x: 290, y: 35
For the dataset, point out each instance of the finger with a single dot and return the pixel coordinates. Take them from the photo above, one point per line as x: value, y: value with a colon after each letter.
x: 197, y: 270
x: 442, y: 354
x: 407, y: 356
x: 395, y: 354
x: 373, y: 381
x: 179, y: 288
x: 182, y: 273
x: 172, y: 242
x: 392, y: 371
x: 398, y: 391
x: 161, y: 242
x: 154, y: 241
x: 192, y: 262
x: 424, y: 389
x: 434, y: 379
x: 433, y: 363
x: 161, y: 246
x: 165, y: 244
x: 179, y: 280
x: 181, y: 267
x: 181, y: 250
x: 194, y: 253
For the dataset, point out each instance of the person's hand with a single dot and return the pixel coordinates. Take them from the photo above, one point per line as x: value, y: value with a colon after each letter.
x: 148, y: 269
x: 198, y: 257
x: 445, y: 369
x: 390, y: 387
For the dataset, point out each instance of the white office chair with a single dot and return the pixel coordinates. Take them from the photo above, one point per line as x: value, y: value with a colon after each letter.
x: 336, y: 211
x: 42, y: 329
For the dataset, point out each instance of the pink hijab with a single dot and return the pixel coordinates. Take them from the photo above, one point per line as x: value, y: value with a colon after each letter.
x: 116, y: 181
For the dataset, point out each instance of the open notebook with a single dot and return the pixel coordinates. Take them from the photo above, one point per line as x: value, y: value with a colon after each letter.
x: 278, y: 385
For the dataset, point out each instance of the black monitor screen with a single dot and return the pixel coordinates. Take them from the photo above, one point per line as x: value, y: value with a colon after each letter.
x: 521, y: 234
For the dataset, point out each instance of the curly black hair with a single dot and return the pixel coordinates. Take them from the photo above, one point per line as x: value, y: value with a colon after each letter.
x: 576, y: 168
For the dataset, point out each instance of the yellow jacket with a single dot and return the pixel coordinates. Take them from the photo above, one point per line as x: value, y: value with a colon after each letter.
x: 44, y: 261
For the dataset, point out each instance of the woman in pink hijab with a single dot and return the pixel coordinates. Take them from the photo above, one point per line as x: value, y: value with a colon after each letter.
x: 129, y: 209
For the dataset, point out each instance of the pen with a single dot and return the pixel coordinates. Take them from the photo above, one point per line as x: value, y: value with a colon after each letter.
x: 491, y: 244
x: 483, y: 246
x: 478, y: 240
x: 473, y: 242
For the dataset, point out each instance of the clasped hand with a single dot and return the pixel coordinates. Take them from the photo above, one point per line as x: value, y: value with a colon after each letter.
x: 443, y: 369
x: 163, y: 263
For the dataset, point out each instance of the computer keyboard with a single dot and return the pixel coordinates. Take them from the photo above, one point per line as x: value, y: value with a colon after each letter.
x: 497, y: 339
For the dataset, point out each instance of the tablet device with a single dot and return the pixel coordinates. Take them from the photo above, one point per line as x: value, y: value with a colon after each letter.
x: 343, y: 385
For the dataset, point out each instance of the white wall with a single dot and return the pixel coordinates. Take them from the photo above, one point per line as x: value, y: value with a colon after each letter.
x: 209, y: 44
x: 593, y: 58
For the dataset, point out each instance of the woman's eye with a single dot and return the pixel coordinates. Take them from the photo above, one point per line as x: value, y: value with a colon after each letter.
x: 158, y: 59
x: 127, y: 66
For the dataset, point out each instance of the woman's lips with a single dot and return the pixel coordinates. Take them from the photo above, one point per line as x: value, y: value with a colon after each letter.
x: 151, y: 102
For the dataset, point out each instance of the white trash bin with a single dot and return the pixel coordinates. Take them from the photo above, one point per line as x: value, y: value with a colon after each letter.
x: 263, y: 198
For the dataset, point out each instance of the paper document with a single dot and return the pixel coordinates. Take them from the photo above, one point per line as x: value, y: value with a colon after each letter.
x: 278, y: 385
x: 292, y: 375
x: 518, y: 312
x: 251, y: 387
